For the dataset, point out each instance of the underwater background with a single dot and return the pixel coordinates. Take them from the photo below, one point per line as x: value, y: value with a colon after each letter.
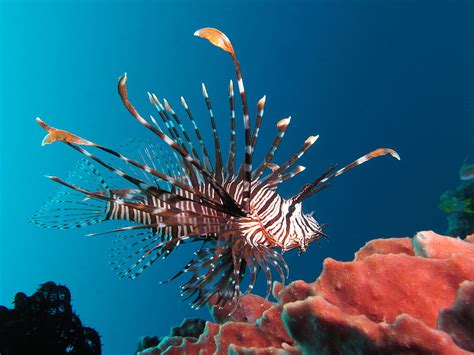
x: 362, y: 74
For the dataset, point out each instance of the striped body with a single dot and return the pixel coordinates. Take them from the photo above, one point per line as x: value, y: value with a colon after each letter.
x: 269, y: 223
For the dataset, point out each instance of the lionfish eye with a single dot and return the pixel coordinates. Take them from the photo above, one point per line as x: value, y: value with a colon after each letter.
x: 291, y: 209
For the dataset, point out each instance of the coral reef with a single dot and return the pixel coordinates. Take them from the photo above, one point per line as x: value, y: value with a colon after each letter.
x: 458, y: 321
x: 146, y: 342
x: 191, y: 327
x: 45, y: 323
x: 458, y: 204
x: 400, y: 295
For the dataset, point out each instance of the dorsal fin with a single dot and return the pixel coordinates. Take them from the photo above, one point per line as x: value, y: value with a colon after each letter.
x: 220, y: 40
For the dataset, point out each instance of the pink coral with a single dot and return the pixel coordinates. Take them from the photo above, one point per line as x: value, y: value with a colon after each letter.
x: 401, y: 295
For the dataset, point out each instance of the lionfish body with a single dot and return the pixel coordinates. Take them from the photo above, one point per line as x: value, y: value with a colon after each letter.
x: 179, y: 197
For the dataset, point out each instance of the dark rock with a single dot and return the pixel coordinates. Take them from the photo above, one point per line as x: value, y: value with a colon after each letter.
x: 45, y: 323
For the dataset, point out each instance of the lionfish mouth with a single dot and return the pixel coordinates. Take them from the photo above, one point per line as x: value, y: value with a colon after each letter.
x: 179, y: 194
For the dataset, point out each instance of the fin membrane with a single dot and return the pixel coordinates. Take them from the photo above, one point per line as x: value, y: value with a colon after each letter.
x: 70, y: 209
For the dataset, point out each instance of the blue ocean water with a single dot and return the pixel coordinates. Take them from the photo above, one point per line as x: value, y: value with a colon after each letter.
x: 362, y: 74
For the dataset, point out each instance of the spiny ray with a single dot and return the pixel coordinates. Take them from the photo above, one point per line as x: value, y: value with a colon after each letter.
x: 207, y: 160
x: 275, y: 174
x: 262, y: 262
x: 185, y: 134
x: 151, y: 209
x: 166, y: 119
x: 142, y: 185
x: 160, y: 250
x: 258, y: 123
x: 253, y: 267
x: 285, y: 177
x: 226, y: 198
x: 308, y: 189
x: 220, y: 40
x: 184, y: 221
x: 139, y: 183
x: 282, y: 125
x: 373, y: 154
x: 174, y: 135
x: 314, y: 187
x: 219, y: 172
x: 231, y: 159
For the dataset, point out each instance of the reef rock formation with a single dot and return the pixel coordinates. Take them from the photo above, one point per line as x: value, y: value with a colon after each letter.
x: 401, y: 295
x: 45, y: 323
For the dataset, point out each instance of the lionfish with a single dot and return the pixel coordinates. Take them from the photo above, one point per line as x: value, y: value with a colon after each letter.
x: 184, y: 196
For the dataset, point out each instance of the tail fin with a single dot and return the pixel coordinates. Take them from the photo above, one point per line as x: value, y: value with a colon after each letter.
x: 70, y: 209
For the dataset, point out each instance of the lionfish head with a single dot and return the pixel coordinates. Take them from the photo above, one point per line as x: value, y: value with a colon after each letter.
x: 303, y: 227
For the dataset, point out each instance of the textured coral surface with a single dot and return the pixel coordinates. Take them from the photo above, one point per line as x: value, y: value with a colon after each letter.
x: 400, y: 295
